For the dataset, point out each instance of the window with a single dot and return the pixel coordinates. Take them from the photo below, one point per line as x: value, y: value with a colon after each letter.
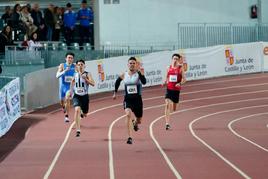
x: 116, y: 1
x: 107, y: 1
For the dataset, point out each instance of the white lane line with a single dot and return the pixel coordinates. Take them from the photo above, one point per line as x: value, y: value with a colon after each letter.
x: 211, y: 148
x: 169, y: 163
x: 110, y: 146
x: 58, y: 153
x: 111, y: 167
x: 187, y: 85
x: 52, y: 165
x: 68, y: 134
x: 176, y: 173
x: 55, y: 159
x: 111, y: 158
x: 190, y: 109
x: 192, y: 92
x: 235, y: 133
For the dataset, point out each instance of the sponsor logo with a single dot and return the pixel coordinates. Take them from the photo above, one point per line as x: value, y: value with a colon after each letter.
x: 230, y: 60
x: 229, y: 56
x: 101, y: 73
x: 265, y: 50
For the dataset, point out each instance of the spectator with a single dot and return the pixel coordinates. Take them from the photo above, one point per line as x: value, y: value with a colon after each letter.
x: 7, y: 15
x: 39, y: 22
x: 28, y: 21
x: 16, y: 22
x: 25, y: 43
x: 58, y: 23
x: 5, y: 39
x: 34, y: 43
x: 69, y: 20
x: 85, y: 16
x: 49, y: 21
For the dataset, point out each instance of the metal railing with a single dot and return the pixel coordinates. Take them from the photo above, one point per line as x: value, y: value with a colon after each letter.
x: 5, y: 80
x: 203, y: 35
x: 52, y: 54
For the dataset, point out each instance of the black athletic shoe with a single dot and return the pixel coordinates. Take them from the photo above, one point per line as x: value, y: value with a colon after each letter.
x: 129, y: 140
x: 167, y: 126
x: 78, y: 133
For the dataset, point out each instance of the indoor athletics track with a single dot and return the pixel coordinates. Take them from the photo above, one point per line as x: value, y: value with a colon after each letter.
x: 219, y: 131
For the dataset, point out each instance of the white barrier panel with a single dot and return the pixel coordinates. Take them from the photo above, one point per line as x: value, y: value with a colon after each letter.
x: 106, y: 71
x: 201, y: 63
x: 9, y: 105
x: 223, y: 60
x: 41, y: 88
x: 265, y: 56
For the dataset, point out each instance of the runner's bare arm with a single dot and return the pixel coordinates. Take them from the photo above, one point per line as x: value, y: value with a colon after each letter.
x: 183, y: 80
x: 90, y: 80
x: 72, y: 87
x: 166, y: 77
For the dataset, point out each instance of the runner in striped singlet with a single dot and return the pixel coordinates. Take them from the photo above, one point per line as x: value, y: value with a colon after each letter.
x: 79, y: 88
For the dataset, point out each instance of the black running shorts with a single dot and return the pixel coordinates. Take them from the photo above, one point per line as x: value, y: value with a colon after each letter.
x: 82, y: 101
x: 135, y: 104
x: 173, y: 95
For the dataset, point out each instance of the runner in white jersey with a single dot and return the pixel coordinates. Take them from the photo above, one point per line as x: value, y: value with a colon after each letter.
x: 79, y: 87
x: 65, y: 74
x: 133, y: 80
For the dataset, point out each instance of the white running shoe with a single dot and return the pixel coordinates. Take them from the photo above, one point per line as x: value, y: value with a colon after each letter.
x: 66, y: 119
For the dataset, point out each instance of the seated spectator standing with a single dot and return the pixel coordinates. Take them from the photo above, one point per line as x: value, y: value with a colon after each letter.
x: 7, y: 15
x: 58, y: 23
x: 85, y: 16
x: 39, y: 22
x: 16, y: 23
x: 28, y: 21
x: 69, y: 20
x: 5, y: 39
x: 33, y: 43
x: 49, y: 21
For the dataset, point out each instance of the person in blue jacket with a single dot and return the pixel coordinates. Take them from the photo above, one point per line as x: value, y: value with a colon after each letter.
x: 85, y: 16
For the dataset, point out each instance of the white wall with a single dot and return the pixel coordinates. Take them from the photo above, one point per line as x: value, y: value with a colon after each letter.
x: 157, y: 20
x: 264, y: 11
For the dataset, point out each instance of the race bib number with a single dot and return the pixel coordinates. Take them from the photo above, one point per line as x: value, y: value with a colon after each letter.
x: 173, y: 78
x: 80, y: 90
x: 68, y: 79
x: 132, y: 89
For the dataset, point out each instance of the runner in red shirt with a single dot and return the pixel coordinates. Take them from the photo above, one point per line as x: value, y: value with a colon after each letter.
x: 174, y: 79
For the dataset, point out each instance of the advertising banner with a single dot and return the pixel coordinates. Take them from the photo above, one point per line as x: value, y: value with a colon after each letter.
x: 9, y: 105
x: 199, y: 63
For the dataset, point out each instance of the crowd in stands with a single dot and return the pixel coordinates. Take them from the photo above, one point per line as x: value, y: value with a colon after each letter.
x: 29, y: 24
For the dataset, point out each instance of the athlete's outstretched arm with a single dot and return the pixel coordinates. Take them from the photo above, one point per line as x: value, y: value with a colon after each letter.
x: 90, y: 80
x: 117, y: 84
x: 183, y: 80
x: 142, y: 77
x: 60, y: 71
x: 72, y: 87
x: 166, y: 77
